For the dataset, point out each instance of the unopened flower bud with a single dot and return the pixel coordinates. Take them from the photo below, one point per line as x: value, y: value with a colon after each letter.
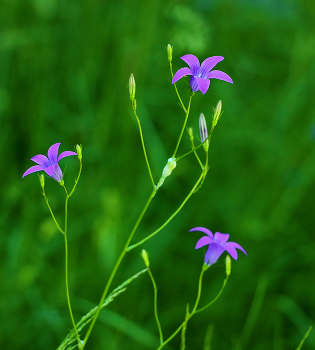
x: 42, y: 180
x: 78, y: 148
x: 145, y: 257
x: 169, y: 52
x: 228, y: 265
x: 171, y: 164
x: 203, y: 131
x: 217, y: 113
x: 132, y: 87
x: 191, y: 134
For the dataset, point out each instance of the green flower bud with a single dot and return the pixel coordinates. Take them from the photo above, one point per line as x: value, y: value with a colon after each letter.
x: 132, y: 87
x: 203, y: 131
x: 42, y: 180
x: 191, y: 134
x: 78, y: 148
x: 169, y: 50
x: 216, y: 113
x: 171, y: 164
x: 228, y: 265
x: 145, y: 257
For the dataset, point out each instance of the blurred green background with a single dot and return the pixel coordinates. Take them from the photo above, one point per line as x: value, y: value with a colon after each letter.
x: 64, y: 67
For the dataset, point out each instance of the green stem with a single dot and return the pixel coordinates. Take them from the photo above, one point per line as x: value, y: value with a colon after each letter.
x: 116, y: 267
x: 155, y: 306
x: 180, y: 100
x: 143, y: 146
x: 184, y: 125
x: 170, y: 218
x: 51, y: 212
x: 76, y: 180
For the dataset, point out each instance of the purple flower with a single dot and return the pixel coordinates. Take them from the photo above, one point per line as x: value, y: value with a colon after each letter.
x: 217, y: 245
x: 49, y: 165
x: 201, y: 75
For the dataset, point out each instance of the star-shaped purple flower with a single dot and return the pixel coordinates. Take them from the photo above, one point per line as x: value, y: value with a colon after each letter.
x: 201, y: 75
x: 217, y: 245
x: 49, y: 165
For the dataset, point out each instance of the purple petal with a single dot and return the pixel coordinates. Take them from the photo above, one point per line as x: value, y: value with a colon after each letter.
x: 203, y: 84
x: 230, y: 247
x: 181, y: 73
x: 204, y: 230
x: 217, y: 74
x: 32, y: 169
x: 193, y: 84
x: 208, y: 64
x: 221, y: 238
x: 203, y: 241
x: 192, y: 62
x: 54, y: 171
x: 40, y: 159
x: 66, y: 154
x: 53, y: 153
x: 213, y: 253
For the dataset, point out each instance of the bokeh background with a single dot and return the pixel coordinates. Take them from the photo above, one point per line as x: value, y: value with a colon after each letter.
x: 64, y: 69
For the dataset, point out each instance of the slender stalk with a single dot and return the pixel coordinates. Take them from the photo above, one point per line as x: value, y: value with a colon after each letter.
x: 180, y: 100
x: 155, y: 306
x: 76, y: 180
x: 116, y: 267
x: 184, y: 125
x: 142, y: 142
x: 170, y: 218
x: 51, y: 212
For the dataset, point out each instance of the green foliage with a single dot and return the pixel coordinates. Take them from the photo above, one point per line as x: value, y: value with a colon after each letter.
x: 64, y: 70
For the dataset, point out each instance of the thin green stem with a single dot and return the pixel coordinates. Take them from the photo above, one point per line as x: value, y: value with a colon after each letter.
x: 199, y: 290
x: 184, y: 125
x: 170, y: 218
x: 51, y: 212
x: 180, y: 100
x: 76, y: 180
x: 194, y: 149
x: 155, y: 306
x: 142, y: 141
x: 116, y: 267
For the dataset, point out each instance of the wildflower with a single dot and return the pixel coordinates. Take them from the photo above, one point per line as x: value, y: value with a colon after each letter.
x: 203, y: 132
x: 201, y: 75
x: 217, y: 245
x: 49, y: 165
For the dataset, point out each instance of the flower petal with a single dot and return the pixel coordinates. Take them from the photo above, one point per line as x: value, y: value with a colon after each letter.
x: 217, y: 74
x: 193, y: 84
x: 204, y: 230
x: 32, y: 169
x: 53, y: 153
x: 203, y: 241
x: 40, y: 159
x: 203, y: 84
x: 181, y: 73
x: 213, y: 253
x: 230, y: 247
x: 54, y: 172
x: 221, y: 238
x: 66, y: 154
x: 208, y: 64
x: 192, y: 62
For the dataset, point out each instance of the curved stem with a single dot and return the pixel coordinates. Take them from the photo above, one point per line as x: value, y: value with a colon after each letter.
x: 170, y: 218
x: 76, y: 180
x: 51, y: 212
x: 116, y: 267
x: 180, y: 100
x: 183, y: 128
x: 142, y: 142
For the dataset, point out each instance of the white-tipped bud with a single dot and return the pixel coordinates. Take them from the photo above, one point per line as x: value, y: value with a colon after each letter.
x: 228, y: 265
x: 132, y: 87
x: 203, y: 131
x: 216, y: 113
x: 171, y: 164
x: 42, y: 180
x: 145, y: 258
x: 169, y: 50
x: 78, y: 148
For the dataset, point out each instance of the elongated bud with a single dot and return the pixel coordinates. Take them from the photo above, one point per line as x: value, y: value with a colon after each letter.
x: 169, y: 50
x: 42, y: 180
x: 78, y: 148
x: 132, y: 87
x: 145, y: 257
x: 191, y: 134
x: 216, y: 113
x: 203, y: 131
x: 228, y: 265
x: 171, y: 164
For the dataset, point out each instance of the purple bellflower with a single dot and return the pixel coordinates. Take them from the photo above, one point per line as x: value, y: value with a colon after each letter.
x: 201, y: 75
x: 217, y: 245
x: 49, y: 165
